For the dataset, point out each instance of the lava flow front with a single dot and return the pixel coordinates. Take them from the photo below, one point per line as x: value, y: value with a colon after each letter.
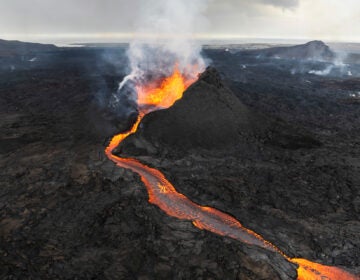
x: 163, y: 94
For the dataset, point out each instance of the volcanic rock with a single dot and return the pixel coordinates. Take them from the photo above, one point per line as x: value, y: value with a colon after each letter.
x: 210, y: 116
x: 314, y: 50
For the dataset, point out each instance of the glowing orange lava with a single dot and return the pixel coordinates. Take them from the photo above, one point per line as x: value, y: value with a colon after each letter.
x: 313, y: 271
x: 163, y: 194
x: 163, y: 94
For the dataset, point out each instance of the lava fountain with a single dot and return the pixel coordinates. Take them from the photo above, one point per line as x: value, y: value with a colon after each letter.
x: 163, y: 93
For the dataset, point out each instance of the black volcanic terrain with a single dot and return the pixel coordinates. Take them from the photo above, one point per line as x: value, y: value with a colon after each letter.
x: 271, y: 139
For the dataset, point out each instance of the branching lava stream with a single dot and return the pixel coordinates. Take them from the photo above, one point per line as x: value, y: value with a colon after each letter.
x: 163, y: 194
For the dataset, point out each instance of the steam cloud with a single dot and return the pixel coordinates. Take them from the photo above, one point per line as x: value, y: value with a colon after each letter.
x: 164, y: 38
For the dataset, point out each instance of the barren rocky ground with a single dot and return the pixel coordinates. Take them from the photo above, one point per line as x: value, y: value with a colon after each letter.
x: 66, y: 212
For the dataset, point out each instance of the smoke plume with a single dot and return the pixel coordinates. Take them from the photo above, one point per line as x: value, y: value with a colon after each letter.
x: 164, y: 39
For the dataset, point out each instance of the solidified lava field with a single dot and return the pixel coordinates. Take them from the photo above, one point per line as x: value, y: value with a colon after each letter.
x: 291, y: 174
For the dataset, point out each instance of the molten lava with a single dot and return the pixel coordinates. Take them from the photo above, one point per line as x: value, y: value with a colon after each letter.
x: 163, y: 94
x: 313, y: 271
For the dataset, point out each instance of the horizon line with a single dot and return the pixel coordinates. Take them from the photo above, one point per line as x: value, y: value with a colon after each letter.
x: 128, y: 37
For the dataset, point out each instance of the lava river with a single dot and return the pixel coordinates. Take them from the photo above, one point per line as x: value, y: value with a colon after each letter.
x: 163, y: 194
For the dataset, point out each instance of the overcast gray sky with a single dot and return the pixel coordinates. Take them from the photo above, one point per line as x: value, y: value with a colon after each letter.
x: 114, y: 20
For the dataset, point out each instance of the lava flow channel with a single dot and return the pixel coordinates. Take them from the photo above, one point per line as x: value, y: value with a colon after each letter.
x: 163, y: 194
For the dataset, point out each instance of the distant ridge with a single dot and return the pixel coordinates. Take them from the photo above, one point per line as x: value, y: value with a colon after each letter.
x: 313, y: 50
x: 13, y: 48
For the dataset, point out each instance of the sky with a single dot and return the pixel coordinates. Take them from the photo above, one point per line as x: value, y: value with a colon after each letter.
x: 116, y: 20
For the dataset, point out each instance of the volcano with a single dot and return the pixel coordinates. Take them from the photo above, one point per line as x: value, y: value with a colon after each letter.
x: 68, y: 212
x: 211, y: 117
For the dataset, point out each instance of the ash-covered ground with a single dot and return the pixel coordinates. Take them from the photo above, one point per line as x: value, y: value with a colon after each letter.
x: 291, y: 172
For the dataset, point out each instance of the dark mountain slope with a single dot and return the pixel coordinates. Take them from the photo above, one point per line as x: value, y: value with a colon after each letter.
x: 210, y: 116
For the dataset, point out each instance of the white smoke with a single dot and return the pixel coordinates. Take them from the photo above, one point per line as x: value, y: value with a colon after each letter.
x: 323, y: 72
x: 338, y: 66
x: 164, y: 37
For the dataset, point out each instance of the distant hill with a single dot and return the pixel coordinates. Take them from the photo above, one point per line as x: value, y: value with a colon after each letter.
x: 13, y: 48
x: 314, y: 50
